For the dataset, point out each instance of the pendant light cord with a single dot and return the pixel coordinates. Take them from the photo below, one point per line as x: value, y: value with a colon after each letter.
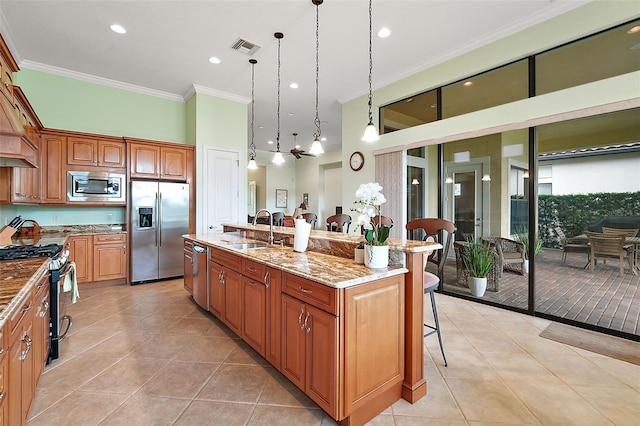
x: 316, y: 136
x: 279, y: 37
x: 370, y: 65
x: 252, y: 147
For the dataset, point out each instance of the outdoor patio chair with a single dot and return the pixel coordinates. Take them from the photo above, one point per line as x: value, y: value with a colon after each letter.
x: 510, y: 252
x: 609, y: 246
x: 570, y: 245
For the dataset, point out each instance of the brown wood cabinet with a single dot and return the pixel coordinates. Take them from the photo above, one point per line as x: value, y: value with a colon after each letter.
x: 99, y: 257
x: 8, y: 66
x: 54, y: 168
x: 273, y: 278
x: 41, y: 328
x: 81, y: 252
x: 160, y: 161
x: 21, y: 388
x: 109, y: 257
x: 83, y: 151
x: 254, y: 314
x: 4, y: 376
x: 225, y: 292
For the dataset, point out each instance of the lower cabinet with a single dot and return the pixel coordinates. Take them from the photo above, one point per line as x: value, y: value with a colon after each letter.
x: 309, y: 351
x: 343, y: 347
x: 4, y: 377
x: 41, y: 328
x: 99, y: 257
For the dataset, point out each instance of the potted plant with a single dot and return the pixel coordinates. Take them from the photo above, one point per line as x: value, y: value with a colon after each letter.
x: 478, y: 260
x: 370, y: 198
x: 537, y: 247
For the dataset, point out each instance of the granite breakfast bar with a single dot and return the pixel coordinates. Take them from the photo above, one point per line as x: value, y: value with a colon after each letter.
x: 370, y: 355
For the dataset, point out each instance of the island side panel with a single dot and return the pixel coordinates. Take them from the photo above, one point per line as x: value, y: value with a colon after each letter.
x: 414, y: 386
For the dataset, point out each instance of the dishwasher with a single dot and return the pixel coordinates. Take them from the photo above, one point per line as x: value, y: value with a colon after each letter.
x: 200, y: 276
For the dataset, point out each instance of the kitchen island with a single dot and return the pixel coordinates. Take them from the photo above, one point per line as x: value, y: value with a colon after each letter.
x: 350, y: 337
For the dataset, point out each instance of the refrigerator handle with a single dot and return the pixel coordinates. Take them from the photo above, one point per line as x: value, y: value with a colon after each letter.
x: 160, y: 218
x: 157, y: 218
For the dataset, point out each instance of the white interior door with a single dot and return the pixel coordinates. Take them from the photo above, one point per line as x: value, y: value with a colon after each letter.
x: 221, y: 189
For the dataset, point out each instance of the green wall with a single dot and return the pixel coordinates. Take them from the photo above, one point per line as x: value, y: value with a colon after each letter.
x: 69, y: 104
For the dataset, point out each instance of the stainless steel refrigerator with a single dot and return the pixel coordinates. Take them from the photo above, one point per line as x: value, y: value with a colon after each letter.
x: 159, y: 218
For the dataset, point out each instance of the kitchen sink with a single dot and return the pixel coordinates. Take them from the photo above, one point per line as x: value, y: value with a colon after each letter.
x: 246, y: 246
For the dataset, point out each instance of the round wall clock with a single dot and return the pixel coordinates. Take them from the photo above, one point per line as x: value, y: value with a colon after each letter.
x: 356, y: 161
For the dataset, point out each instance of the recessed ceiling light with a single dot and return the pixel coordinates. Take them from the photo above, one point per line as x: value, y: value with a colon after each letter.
x: 260, y: 127
x: 634, y: 30
x: 117, y: 28
x: 384, y: 32
x: 323, y: 139
x: 467, y: 83
x: 270, y: 142
x: 214, y: 60
x: 297, y: 146
x: 294, y: 85
x: 291, y: 113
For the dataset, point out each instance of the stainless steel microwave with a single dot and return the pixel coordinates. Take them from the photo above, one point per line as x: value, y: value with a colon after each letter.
x: 97, y: 187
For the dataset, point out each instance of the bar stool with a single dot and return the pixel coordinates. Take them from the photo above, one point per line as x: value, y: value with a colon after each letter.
x: 434, y: 230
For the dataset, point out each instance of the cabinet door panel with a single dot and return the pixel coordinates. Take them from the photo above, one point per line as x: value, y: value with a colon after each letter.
x: 82, y: 152
x: 54, y: 150
x: 232, y: 315
x: 111, y: 153
x: 109, y: 262
x: 321, y: 329
x: 216, y: 290
x: 254, y: 314
x: 293, y: 341
x: 274, y: 316
x: 173, y: 164
x: 81, y: 252
x: 145, y: 160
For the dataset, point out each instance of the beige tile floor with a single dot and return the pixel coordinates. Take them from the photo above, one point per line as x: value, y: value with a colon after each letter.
x: 146, y: 355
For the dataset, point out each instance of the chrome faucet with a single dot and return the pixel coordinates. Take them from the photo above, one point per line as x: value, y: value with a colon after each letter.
x: 270, y: 223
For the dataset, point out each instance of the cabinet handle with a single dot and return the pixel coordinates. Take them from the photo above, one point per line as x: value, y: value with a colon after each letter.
x: 251, y: 283
x: 27, y: 340
x: 306, y: 321
x: 266, y: 279
x: 1, y: 396
x: 252, y: 270
x: 1, y: 350
x: 300, y: 324
x: 25, y: 308
x: 304, y: 290
x: 46, y: 308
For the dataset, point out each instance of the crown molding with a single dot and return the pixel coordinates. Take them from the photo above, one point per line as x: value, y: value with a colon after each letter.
x: 196, y: 88
x: 36, y: 66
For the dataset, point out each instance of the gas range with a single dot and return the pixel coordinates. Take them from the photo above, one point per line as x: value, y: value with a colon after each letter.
x: 27, y: 252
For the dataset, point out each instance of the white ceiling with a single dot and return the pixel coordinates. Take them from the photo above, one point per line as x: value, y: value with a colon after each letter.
x: 168, y: 43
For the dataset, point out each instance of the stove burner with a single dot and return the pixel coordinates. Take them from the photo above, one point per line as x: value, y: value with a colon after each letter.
x: 26, y: 252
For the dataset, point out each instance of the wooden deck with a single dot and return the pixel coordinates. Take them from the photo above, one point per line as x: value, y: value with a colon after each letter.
x: 568, y: 290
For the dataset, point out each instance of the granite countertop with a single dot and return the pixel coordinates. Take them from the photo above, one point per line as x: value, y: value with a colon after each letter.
x: 16, y: 278
x: 328, y: 269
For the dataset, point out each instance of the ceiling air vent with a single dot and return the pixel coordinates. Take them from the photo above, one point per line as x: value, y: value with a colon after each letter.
x: 245, y: 46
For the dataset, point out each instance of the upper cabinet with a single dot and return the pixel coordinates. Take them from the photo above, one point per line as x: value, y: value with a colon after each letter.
x: 90, y: 152
x: 161, y: 161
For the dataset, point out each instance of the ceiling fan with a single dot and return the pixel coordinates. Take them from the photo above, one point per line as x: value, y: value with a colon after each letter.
x: 297, y: 152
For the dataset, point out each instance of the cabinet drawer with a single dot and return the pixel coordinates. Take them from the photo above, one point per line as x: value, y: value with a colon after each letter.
x: 253, y: 270
x: 20, y: 312
x: 109, y: 238
x: 318, y: 295
x: 228, y: 260
x: 188, y: 246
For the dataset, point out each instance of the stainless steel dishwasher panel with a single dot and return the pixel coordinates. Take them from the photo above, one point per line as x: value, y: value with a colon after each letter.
x: 200, y: 287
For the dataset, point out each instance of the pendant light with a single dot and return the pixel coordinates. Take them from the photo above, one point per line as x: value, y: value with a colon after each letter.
x: 370, y: 132
x: 252, y: 147
x: 278, y: 158
x: 316, y: 146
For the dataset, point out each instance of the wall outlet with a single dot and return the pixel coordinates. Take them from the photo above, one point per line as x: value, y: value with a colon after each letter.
x: 109, y: 216
x: 55, y: 218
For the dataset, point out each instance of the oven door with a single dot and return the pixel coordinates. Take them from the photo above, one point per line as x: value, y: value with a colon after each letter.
x: 60, y: 280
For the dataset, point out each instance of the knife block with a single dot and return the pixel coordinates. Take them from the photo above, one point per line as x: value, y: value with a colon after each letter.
x: 5, y: 235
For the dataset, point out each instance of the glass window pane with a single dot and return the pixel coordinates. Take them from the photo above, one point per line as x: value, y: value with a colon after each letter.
x: 410, y: 112
x: 611, y: 53
x: 500, y: 86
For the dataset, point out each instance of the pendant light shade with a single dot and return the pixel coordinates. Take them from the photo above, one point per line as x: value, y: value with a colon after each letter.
x: 278, y: 157
x: 370, y: 132
x: 316, y: 146
x: 252, y: 165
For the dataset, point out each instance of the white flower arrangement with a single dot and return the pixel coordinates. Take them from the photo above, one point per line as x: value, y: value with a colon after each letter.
x: 370, y: 198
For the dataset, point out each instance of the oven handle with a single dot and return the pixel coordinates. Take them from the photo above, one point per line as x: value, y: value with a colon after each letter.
x: 66, y: 330
x: 67, y: 269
